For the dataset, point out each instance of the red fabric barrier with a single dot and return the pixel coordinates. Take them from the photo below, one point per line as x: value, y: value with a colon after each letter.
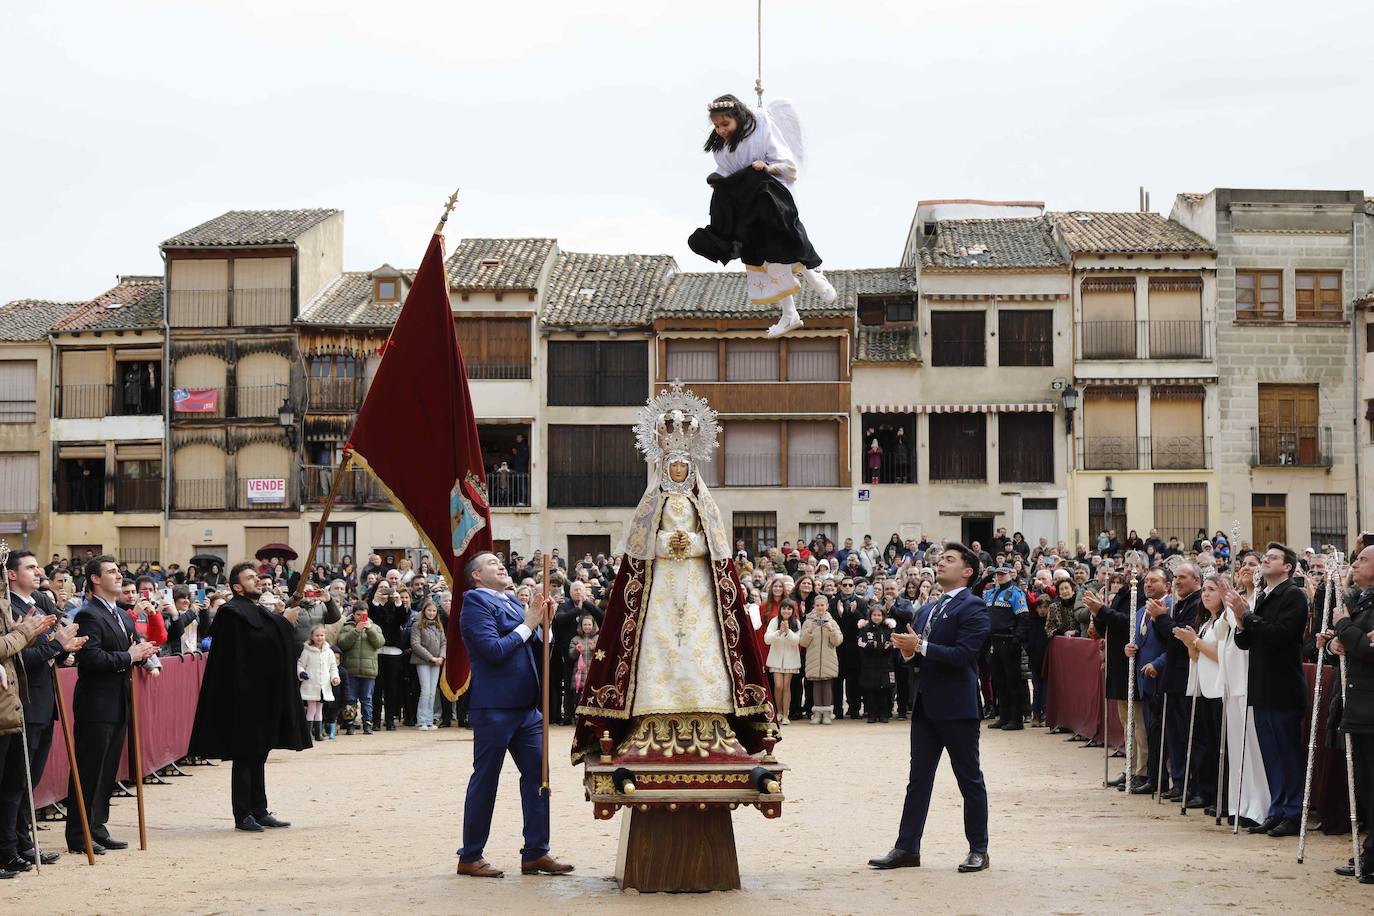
x: 166, y: 711
x: 1073, y: 700
x: 1073, y: 696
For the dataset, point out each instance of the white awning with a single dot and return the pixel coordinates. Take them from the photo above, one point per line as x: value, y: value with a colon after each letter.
x: 1008, y: 407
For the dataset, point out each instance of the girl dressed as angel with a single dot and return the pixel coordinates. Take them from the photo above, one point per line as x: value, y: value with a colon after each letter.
x: 758, y: 153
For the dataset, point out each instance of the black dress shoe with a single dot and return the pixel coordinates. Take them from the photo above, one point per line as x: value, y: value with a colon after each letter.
x: 81, y: 850
x: 897, y: 858
x: 1145, y: 788
x: 998, y: 724
x: 1118, y: 781
x: 1173, y: 795
x: 249, y: 824
x: 1009, y: 727
x: 975, y: 861
x: 1287, y: 827
x: 1269, y: 824
x: 48, y: 857
x: 110, y: 842
x: 1197, y: 801
x: 1210, y: 811
x: 267, y: 820
x: 6, y: 873
x: 1347, y: 870
x: 16, y: 865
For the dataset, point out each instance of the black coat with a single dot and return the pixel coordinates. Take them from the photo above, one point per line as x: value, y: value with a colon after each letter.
x: 1114, y: 621
x: 848, y: 612
x: 1272, y: 634
x: 1176, y: 665
x: 874, y: 645
x: 565, y: 627
x: 1358, y: 715
x: 102, y: 686
x: 39, y: 682
x: 250, y: 701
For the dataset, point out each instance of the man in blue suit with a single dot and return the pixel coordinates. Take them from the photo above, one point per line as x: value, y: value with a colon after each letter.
x: 1151, y: 659
x: 943, y: 648
x: 500, y: 636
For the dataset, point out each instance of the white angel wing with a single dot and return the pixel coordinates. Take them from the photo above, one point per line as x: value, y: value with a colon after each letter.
x: 783, y: 114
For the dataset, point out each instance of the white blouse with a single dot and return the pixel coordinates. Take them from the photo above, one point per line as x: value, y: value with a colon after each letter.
x: 766, y: 144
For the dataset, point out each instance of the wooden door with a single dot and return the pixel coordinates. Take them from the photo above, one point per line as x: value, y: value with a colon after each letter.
x: 1288, y: 424
x: 1268, y: 519
x: 581, y: 544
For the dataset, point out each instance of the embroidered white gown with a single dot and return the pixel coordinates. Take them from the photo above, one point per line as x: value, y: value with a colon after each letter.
x: 681, y: 665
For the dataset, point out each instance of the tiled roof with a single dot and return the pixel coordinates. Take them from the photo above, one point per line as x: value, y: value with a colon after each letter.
x: 1015, y: 244
x: 886, y: 345
x: 606, y: 290
x: 348, y: 301
x: 136, y: 303
x: 1087, y: 231
x: 498, y: 264
x: 249, y: 227
x: 723, y: 295
x: 30, y: 319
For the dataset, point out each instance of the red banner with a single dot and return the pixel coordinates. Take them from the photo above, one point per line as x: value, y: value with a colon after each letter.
x: 195, y: 400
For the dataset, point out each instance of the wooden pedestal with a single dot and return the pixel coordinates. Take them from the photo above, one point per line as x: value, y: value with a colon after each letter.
x: 689, y: 850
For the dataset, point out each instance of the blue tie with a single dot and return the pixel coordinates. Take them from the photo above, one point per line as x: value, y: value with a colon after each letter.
x: 930, y: 621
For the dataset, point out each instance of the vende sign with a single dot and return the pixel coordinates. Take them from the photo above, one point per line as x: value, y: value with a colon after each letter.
x: 266, y: 490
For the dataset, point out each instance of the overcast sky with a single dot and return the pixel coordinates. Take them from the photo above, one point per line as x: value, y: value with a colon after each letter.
x: 127, y: 122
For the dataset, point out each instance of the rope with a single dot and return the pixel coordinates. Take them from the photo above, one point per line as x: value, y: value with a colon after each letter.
x: 758, y: 79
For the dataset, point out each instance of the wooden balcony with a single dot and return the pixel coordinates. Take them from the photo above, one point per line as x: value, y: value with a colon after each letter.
x: 773, y: 398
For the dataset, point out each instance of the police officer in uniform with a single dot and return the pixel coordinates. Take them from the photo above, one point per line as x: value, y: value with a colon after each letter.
x: 1006, y: 604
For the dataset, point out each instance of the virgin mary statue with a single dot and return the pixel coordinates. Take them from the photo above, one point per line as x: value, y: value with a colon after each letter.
x: 675, y: 671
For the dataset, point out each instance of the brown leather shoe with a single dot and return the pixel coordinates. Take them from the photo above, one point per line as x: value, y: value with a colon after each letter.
x: 479, y: 869
x: 546, y: 864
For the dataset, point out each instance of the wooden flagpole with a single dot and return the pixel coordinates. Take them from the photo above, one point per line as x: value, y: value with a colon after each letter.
x: 80, y: 800
x: 548, y: 625
x: 334, y: 487
x: 136, y: 748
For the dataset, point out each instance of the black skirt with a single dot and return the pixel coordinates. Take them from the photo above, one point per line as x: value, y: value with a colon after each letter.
x: 754, y: 218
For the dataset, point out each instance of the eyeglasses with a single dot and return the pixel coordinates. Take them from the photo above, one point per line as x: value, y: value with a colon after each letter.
x: 846, y: 585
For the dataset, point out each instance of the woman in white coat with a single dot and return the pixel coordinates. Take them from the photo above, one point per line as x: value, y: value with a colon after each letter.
x: 1248, y: 793
x: 784, y: 656
x: 318, y: 670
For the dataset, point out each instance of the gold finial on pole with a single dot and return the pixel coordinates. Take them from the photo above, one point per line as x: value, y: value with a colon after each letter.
x: 448, y: 208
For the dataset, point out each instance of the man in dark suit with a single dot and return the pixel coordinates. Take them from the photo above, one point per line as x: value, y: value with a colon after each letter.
x: 849, y: 609
x: 100, y: 703
x: 22, y: 575
x: 1353, y: 624
x: 943, y: 647
x: 1184, y: 613
x: 1273, y: 635
x: 504, y: 714
x: 252, y: 665
x: 1114, y: 620
x: 1151, y: 657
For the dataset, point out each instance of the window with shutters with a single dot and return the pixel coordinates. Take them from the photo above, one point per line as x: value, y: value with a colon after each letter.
x: 957, y: 339
x: 1259, y: 295
x: 138, y: 485
x: 751, y: 361
x: 1025, y: 447
x: 813, y: 454
x: 692, y: 361
x: 495, y: 348
x: 1106, y: 513
x: 589, y: 373
x: 1180, y: 510
x: 1329, y: 527
x: 958, y: 447
x: 1317, y: 295
x: 81, y: 484
x: 338, y: 540
x: 752, y: 454
x: 18, y: 391
x: 335, y: 382
x: 139, y: 545
x: 1107, y: 329
x: 1288, y: 432
x: 1025, y: 338
x: 813, y: 359
x: 18, y: 483
x: 758, y: 530
x: 594, y: 466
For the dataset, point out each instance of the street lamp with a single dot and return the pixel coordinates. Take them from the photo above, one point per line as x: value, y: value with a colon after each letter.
x: 286, y: 418
x: 1071, y: 398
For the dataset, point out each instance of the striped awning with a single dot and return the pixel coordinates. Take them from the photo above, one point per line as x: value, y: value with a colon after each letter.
x: 1007, y: 407
x: 1001, y: 297
x: 1147, y: 380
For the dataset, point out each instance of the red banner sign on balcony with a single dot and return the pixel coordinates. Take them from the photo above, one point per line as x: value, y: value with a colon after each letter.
x: 195, y: 400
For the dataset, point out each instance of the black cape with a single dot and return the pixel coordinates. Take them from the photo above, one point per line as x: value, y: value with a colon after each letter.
x: 250, y: 701
x: 754, y: 218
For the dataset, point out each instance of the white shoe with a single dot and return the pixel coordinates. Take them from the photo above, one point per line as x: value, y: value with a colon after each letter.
x: 788, y: 322
x: 820, y: 284
x: 786, y: 721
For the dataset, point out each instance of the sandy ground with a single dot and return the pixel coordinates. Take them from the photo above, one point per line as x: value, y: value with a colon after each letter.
x: 377, y: 821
